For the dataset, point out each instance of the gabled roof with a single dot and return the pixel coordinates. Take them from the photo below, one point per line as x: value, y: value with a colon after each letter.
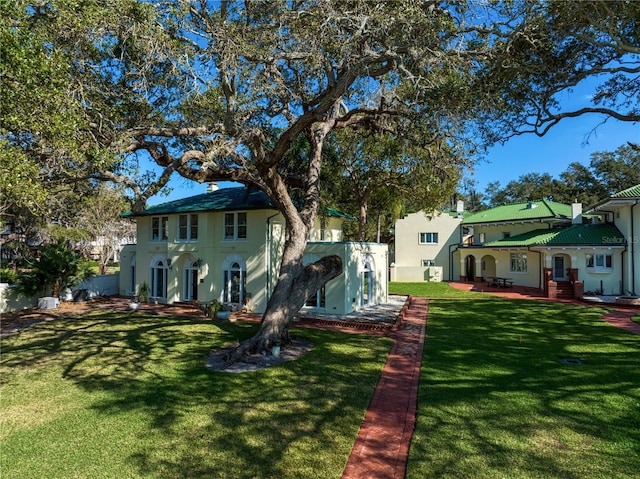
x: 533, y: 210
x: 225, y: 199
x: 633, y: 192
x: 575, y: 235
x: 620, y: 198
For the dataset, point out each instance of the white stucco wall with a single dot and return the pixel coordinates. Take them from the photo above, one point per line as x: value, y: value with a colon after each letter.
x: 259, y: 255
x: 409, y: 253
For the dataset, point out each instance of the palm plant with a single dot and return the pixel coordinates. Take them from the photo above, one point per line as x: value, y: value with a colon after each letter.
x: 57, y: 268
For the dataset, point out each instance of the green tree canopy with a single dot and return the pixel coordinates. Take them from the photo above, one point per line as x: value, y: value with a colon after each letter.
x: 249, y: 79
x: 555, y: 46
x: 224, y: 90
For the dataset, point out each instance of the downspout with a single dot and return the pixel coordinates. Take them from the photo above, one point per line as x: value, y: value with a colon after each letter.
x: 267, y: 252
x: 460, y: 229
x: 451, y: 260
x: 633, y: 248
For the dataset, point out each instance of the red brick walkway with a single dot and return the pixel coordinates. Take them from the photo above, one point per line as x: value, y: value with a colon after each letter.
x: 621, y: 318
x: 382, y: 446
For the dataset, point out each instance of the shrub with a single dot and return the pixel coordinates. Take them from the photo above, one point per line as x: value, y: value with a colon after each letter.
x: 58, y: 267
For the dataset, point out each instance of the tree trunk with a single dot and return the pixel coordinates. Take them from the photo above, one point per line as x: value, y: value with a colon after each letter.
x: 55, y: 290
x: 295, y: 284
x: 363, y: 221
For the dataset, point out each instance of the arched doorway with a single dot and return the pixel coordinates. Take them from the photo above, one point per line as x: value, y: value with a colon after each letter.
x: 234, y: 280
x: 488, y: 265
x: 132, y: 272
x: 158, y: 286
x: 190, y: 283
x: 470, y: 267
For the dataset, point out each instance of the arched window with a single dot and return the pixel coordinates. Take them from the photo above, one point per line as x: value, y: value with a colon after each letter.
x: 132, y: 272
x: 235, y: 280
x: 191, y: 269
x: 318, y: 299
x: 158, y: 285
x: 368, y: 282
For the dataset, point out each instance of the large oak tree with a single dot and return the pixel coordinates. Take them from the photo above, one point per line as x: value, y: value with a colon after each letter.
x: 556, y: 47
x: 223, y: 90
x: 254, y: 77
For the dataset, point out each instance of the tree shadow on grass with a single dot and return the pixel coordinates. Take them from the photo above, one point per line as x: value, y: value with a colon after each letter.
x: 295, y: 420
x: 498, y: 401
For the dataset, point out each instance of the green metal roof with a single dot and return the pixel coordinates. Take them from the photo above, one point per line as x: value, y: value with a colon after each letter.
x: 619, y: 197
x: 633, y: 192
x: 533, y: 210
x: 225, y: 199
x: 338, y: 214
x: 575, y: 235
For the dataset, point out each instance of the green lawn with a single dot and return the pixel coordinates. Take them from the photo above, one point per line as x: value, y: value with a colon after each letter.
x: 496, y: 401
x: 117, y: 395
x: 125, y: 395
x: 434, y: 290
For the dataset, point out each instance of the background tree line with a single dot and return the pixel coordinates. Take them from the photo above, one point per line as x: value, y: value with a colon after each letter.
x: 607, y: 173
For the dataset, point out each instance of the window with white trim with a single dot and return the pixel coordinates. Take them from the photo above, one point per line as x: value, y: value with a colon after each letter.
x: 159, y: 228
x: 235, y: 283
x: 518, y: 263
x: 599, y: 262
x: 188, y: 227
x: 235, y: 226
x: 159, y: 279
x: 428, y: 238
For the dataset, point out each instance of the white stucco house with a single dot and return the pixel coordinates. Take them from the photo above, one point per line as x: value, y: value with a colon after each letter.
x: 423, y: 246
x: 622, y: 210
x: 545, y: 245
x: 226, y: 245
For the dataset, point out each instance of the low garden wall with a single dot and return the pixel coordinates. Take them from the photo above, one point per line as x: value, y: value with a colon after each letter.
x: 100, y: 285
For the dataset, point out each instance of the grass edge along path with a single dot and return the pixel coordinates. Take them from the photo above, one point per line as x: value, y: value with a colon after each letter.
x: 382, y: 446
x: 497, y: 400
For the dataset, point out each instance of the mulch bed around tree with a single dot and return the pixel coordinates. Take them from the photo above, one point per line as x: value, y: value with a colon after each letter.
x: 216, y: 360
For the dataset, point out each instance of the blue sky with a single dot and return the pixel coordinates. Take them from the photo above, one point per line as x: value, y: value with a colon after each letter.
x: 573, y: 139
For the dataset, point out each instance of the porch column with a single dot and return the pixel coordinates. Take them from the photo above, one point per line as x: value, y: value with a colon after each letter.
x: 549, y: 286
x: 478, y: 277
x: 578, y: 286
